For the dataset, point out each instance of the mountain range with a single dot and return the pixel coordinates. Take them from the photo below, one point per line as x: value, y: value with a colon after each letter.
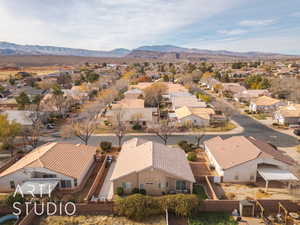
x: 153, y: 51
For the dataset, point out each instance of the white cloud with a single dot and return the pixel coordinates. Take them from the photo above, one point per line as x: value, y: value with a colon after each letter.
x: 101, y: 24
x: 232, y: 32
x: 295, y: 14
x: 256, y: 23
x: 279, y: 43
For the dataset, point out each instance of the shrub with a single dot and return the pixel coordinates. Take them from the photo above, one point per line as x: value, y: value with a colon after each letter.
x: 143, y: 192
x: 137, y: 126
x: 199, y: 191
x: 105, y: 145
x: 185, y: 146
x: 120, y: 191
x: 180, y: 204
x: 135, y: 191
x: 137, y: 207
x: 192, y: 156
x: 11, y: 199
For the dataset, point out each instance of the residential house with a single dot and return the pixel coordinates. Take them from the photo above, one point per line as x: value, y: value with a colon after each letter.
x: 194, y: 116
x: 189, y: 101
x: 61, y: 165
x: 152, y: 166
x: 265, y: 104
x: 243, y: 159
x: 23, y: 117
x: 131, y: 111
x: 133, y: 93
x: 233, y: 88
x: 248, y: 95
x: 287, y: 115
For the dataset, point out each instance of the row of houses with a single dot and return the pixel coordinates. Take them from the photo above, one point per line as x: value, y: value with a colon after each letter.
x: 260, y: 101
x: 160, y: 169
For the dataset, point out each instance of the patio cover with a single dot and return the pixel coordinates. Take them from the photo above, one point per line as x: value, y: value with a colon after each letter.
x: 39, y: 187
x: 274, y: 173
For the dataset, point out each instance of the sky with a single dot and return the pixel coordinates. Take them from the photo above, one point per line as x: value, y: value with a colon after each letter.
x: 235, y: 25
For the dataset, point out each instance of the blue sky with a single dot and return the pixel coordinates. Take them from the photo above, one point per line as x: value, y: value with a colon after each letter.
x: 237, y: 25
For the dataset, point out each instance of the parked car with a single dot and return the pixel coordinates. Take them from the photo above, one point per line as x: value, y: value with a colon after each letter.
x: 297, y: 132
x: 50, y: 126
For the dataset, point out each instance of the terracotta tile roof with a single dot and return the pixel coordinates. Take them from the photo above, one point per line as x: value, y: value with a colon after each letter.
x: 292, y: 110
x: 68, y: 159
x: 129, y: 103
x: 265, y: 101
x: 237, y: 150
x: 204, y: 113
x: 137, y: 155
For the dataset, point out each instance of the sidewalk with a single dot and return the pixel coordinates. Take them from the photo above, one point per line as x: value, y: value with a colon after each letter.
x: 236, y: 130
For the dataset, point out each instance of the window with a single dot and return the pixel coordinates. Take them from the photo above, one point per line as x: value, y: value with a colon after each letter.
x: 159, y: 185
x: 65, y: 184
x: 75, y: 182
x: 167, y: 184
x: 252, y: 177
x: 236, y: 177
x: 141, y: 186
x: 49, y: 176
x: 180, y: 185
x: 12, y: 184
x: 126, y: 185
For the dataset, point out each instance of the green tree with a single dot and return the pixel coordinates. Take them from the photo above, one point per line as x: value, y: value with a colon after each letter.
x: 8, y: 132
x: 22, y: 100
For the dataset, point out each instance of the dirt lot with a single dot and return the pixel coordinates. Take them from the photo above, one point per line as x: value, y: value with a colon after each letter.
x: 99, y: 220
x: 277, y: 190
x: 201, y: 167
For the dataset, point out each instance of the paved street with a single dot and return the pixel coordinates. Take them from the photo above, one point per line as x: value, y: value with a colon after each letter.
x: 251, y: 128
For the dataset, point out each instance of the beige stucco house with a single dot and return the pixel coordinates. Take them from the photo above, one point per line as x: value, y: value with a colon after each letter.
x: 289, y: 114
x: 265, y: 104
x: 61, y: 164
x: 194, y: 116
x: 242, y: 159
x: 153, y: 167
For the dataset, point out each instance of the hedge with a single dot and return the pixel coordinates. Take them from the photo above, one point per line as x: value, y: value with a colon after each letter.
x: 138, y: 207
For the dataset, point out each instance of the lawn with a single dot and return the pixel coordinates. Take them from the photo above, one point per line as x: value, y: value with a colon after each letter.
x: 229, y: 126
x: 260, y: 116
x: 99, y: 220
x: 212, y: 219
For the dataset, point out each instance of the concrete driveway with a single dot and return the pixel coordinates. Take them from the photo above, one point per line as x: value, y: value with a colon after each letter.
x: 106, y: 192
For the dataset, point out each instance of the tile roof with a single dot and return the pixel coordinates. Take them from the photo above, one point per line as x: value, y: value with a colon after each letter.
x: 292, y: 110
x: 65, y: 158
x: 137, y: 155
x: 127, y: 103
x: 237, y: 150
x: 265, y: 101
x: 204, y: 113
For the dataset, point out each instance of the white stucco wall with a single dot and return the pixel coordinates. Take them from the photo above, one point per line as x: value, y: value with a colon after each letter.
x: 195, y: 120
x: 23, y: 175
x: 245, y: 172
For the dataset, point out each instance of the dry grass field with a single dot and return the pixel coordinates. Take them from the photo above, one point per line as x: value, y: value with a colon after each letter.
x: 41, y: 70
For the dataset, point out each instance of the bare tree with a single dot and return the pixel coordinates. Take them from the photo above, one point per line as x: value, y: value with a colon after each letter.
x: 118, y: 126
x: 32, y: 134
x: 82, y: 127
x: 163, y: 130
x: 200, y: 135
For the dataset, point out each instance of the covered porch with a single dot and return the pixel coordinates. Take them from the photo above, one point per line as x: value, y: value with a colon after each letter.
x: 273, y: 173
